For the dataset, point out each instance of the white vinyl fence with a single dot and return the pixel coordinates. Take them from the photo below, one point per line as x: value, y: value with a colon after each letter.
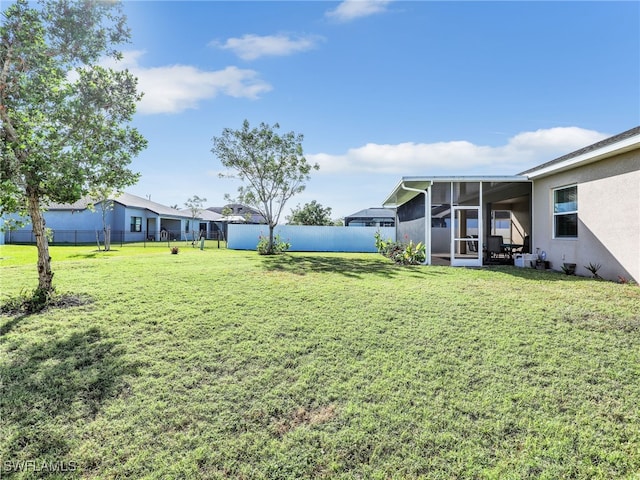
x: 310, y: 238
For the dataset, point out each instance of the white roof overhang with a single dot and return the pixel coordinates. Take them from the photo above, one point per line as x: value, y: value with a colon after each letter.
x: 406, y: 188
x: 617, y: 148
x: 401, y: 195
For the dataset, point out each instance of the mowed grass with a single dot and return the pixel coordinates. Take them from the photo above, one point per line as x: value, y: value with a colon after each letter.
x: 225, y: 364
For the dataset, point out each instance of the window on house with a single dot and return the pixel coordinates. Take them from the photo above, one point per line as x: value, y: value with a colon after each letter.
x: 565, y: 212
x: 136, y: 224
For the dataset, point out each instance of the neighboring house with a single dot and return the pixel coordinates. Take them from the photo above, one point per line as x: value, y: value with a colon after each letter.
x: 207, y: 222
x: 580, y: 208
x: 371, y: 217
x: 132, y: 219
x: 238, y: 213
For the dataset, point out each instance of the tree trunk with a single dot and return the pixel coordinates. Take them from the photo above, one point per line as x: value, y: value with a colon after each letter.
x: 45, y: 275
x: 107, y: 238
x: 271, y: 246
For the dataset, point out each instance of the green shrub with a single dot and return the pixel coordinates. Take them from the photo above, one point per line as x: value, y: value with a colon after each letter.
x: 28, y: 302
x: 279, y: 245
x: 402, y: 253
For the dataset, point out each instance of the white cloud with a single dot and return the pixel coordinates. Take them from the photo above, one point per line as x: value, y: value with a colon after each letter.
x: 522, y: 151
x: 175, y: 88
x: 351, y: 9
x: 251, y: 47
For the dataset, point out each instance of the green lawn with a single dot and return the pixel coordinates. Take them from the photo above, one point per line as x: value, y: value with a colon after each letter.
x: 224, y: 364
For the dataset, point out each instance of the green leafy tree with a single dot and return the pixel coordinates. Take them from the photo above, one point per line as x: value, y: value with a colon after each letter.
x: 195, y: 205
x: 103, y: 196
x: 310, y: 214
x: 271, y: 166
x: 64, y: 117
x: 227, y: 211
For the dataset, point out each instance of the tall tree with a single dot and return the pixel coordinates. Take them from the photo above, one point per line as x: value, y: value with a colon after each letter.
x: 310, y: 214
x: 103, y: 196
x: 63, y: 117
x: 195, y: 205
x: 272, y: 167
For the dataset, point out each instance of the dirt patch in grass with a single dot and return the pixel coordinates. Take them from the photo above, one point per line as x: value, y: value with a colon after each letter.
x: 598, y: 322
x: 303, y: 416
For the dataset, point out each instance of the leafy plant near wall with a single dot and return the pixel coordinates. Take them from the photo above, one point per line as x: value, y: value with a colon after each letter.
x: 279, y: 246
x: 402, y: 253
x: 593, y: 268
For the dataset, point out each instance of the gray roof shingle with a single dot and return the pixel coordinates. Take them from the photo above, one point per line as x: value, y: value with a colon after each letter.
x: 590, y: 148
x: 126, y: 199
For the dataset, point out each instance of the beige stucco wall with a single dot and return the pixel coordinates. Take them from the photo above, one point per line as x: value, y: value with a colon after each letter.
x: 521, y: 218
x: 608, y: 217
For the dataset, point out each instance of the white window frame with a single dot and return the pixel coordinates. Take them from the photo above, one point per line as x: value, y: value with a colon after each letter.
x: 559, y: 214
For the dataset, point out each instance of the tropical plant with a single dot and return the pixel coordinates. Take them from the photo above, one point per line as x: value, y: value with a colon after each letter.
x: 407, y: 253
x: 593, y: 268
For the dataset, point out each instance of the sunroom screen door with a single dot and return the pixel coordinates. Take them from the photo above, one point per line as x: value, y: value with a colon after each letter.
x: 466, y: 237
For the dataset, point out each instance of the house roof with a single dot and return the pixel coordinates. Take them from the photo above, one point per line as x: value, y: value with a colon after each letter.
x: 410, y: 187
x: 623, y: 142
x: 374, y: 212
x: 81, y: 204
x: 129, y: 200
x: 126, y: 199
x: 608, y: 147
x: 206, y: 215
x: 236, y: 208
x: 239, y: 210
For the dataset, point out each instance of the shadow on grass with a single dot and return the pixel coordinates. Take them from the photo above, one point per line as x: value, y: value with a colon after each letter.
x: 9, y: 325
x: 92, y: 254
x: 50, y: 385
x: 349, y: 267
x: 26, y: 304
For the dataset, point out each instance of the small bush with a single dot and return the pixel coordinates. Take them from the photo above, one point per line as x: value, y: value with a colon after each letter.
x: 593, y: 268
x: 279, y: 245
x: 407, y: 253
x: 28, y: 302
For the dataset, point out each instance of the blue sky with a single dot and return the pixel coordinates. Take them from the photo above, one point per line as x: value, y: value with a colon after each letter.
x: 380, y: 89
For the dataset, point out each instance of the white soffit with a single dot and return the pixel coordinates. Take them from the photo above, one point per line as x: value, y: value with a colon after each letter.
x: 400, y: 196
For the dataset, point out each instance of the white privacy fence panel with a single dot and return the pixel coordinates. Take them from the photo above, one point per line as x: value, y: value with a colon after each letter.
x: 310, y: 238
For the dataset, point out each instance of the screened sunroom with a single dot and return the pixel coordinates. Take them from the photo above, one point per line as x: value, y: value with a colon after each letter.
x: 465, y: 221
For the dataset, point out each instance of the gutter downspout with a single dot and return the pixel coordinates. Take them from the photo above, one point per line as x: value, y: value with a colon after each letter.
x: 427, y: 221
